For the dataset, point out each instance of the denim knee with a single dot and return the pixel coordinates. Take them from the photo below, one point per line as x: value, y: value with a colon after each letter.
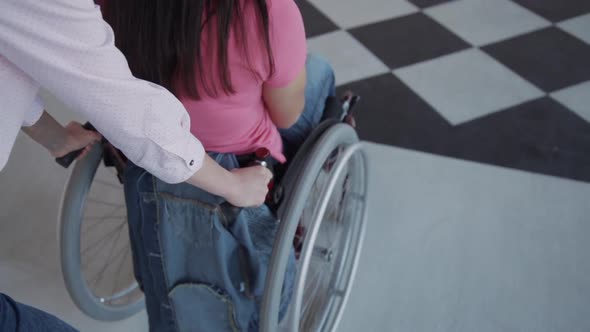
x: 320, y: 72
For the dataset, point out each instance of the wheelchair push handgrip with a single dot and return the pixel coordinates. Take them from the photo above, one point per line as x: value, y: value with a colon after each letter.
x: 68, y: 159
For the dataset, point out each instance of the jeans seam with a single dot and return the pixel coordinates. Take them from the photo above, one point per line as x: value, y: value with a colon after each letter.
x: 220, y: 213
x: 230, y: 309
x: 162, y: 260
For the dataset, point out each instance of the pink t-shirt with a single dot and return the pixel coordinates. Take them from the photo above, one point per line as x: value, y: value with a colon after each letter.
x: 240, y: 123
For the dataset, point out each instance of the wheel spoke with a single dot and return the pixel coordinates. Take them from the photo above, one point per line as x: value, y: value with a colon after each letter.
x: 123, y: 260
x: 106, y: 217
x: 95, y: 252
x: 101, y: 273
x: 334, y: 232
x: 315, y: 296
x: 118, y: 228
x: 97, y: 201
x: 103, y: 221
x: 87, y: 260
x: 109, y: 214
x: 98, y: 276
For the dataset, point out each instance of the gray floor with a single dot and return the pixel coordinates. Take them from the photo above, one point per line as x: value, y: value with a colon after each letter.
x: 451, y: 246
x: 459, y: 246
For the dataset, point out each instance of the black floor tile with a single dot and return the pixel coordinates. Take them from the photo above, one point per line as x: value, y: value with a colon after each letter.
x: 315, y: 22
x: 390, y: 113
x: 428, y: 3
x: 539, y: 136
x: 550, y: 58
x: 557, y: 10
x: 407, y: 40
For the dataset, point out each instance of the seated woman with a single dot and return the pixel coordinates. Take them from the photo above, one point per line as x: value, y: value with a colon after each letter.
x: 241, y: 69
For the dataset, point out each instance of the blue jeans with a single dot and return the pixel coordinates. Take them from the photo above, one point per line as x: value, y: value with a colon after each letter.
x: 201, y: 262
x: 17, y: 317
x: 319, y: 86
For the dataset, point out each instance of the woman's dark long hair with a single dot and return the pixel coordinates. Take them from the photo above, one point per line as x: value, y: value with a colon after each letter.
x: 161, y: 40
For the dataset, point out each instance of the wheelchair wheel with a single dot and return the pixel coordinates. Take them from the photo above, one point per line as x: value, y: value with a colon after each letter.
x: 94, y: 242
x: 326, y: 211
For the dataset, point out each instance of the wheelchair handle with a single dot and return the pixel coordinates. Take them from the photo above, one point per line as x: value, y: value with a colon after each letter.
x: 68, y: 159
x: 348, y: 105
x: 260, y: 157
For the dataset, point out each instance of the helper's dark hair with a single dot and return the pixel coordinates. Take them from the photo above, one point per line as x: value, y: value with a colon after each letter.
x: 162, y: 39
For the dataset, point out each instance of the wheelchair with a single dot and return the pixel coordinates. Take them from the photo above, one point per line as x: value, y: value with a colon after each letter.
x: 321, y: 205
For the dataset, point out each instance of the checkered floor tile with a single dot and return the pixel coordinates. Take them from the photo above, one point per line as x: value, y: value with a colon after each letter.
x: 503, y: 82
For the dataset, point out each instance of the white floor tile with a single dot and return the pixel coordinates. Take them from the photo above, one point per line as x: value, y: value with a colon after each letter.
x: 576, y: 98
x: 578, y: 26
x: 350, y: 59
x: 347, y: 14
x: 467, y: 85
x: 483, y: 21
